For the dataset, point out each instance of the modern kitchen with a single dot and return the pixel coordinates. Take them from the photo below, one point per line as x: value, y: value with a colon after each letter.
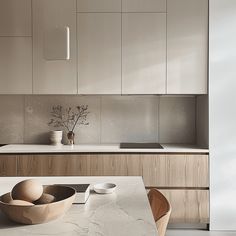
x: 116, y: 117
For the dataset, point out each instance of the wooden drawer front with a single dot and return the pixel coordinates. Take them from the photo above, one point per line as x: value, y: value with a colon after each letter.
x: 108, y: 165
x: 115, y: 165
x: 188, y: 206
x: 54, y: 165
x: 175, y: 170
x: 8, y: 165
x: 157, y: 170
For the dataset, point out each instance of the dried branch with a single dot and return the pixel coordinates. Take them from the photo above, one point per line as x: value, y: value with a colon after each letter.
x: 68, y: 118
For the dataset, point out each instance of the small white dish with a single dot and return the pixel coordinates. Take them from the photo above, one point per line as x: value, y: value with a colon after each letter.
x: 104, y: 188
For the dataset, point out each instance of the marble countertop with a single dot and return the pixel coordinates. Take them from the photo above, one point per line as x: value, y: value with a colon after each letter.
x: 97, y: 148
x: 124, y: 212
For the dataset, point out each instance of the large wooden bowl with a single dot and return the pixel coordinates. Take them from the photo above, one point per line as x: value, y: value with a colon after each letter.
x: 43, y: 213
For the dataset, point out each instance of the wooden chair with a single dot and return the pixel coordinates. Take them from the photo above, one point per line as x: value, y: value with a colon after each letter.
x: 161, y: 210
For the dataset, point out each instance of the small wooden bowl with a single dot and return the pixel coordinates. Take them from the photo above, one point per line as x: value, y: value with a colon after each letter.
x: 43, y: 213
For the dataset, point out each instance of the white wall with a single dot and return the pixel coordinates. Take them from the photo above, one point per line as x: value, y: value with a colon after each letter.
x: 222, y: 114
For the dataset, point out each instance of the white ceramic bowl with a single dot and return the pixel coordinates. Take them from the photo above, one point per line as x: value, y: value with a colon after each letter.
x: 104, y: 188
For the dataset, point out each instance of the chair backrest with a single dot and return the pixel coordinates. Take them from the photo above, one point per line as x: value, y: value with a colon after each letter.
x: 161, y: 210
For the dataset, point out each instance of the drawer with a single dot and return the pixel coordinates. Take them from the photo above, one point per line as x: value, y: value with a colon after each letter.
x: 182, y: 170
x: 8, y: 165
x: 53, y: 165
x: 188, y: 206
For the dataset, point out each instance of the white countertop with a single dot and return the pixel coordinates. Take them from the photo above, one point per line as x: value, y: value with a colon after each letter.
x: 124, y: 212
x: 97, y: 148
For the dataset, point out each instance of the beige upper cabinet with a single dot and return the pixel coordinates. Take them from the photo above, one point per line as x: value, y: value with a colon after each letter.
x: 54, y: 47
x: 99, y: 6
x: 15, y: 18
x: 143, y: 53
x: 144, y: 5
x: 187, y: 46
x: 15, y: 65
x: 15, y: 47
x: 99, y: 53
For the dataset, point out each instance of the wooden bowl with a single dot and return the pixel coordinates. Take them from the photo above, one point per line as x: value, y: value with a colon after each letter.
x: 43, y: 213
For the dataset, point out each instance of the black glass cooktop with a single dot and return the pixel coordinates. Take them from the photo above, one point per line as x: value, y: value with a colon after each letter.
x: 141, y: 145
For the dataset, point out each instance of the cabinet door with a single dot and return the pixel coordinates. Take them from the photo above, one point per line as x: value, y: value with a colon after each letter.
x: 54, y: 19
x: 143, y: 53
x: 108, y: 165
x: 188, y: 206
x: 99, y: 53
x: 175, y: 170
x: 99, y: 6
x: 15, y: 18
x: 53, y: 165
x: 143, y: 5
x: 187, y: 46
x: 15, y: 65
x: 8, y: 164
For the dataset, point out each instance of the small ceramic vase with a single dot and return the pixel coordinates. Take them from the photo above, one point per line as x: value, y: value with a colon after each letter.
x: 56, y: 137
x: 71, y: 137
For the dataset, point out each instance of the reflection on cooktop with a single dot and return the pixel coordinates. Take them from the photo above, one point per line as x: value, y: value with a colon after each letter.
x: 141, y: 145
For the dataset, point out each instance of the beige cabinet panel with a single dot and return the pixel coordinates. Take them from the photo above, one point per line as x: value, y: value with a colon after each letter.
x: 15, y: 65
x: 99, y: 53
x: 15, y: 18
x: 144, y: 5
x: 8, y: 165
x: 175, y: 170
x: 188, y: 206
x: 187, y: 46
x: 98, y: 5
x: 143, y: 53
x: 55, y: 76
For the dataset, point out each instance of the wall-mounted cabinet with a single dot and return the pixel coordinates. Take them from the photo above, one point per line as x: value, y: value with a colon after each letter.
x: 99, y: 53
x: 15, y: 18
x: 187, y: 46
x: 104, y: 47
x: 143, y: 53
x: 15, y: 47
x: 99, y: 6
x: 57, y: 75
x: 15, y: 65
x: 143, y: 5
x: 121, y: 6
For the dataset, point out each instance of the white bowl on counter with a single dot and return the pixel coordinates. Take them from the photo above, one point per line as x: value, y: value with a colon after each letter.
x: 104, y: 188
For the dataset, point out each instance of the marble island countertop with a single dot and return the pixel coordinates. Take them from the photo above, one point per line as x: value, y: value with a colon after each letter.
x: 124, y: 212
x: 96, y: 148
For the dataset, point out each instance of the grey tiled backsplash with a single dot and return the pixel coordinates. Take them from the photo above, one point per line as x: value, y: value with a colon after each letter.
x: 112, y: 119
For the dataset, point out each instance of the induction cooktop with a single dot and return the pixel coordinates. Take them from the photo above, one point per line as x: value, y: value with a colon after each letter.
x: 141, y: 145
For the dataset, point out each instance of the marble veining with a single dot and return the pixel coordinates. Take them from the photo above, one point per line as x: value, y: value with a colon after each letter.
x: 126, y: 212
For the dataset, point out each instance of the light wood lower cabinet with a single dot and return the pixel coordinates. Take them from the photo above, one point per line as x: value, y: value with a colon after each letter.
x: 53, y: 165
x: 188, y: 206
x: 175, y: 170
x: 182, y: 178
x: 8, y: 165
x: 157, y: 170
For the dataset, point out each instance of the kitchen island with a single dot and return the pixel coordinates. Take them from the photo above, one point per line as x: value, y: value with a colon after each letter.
x: 126, y: 212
